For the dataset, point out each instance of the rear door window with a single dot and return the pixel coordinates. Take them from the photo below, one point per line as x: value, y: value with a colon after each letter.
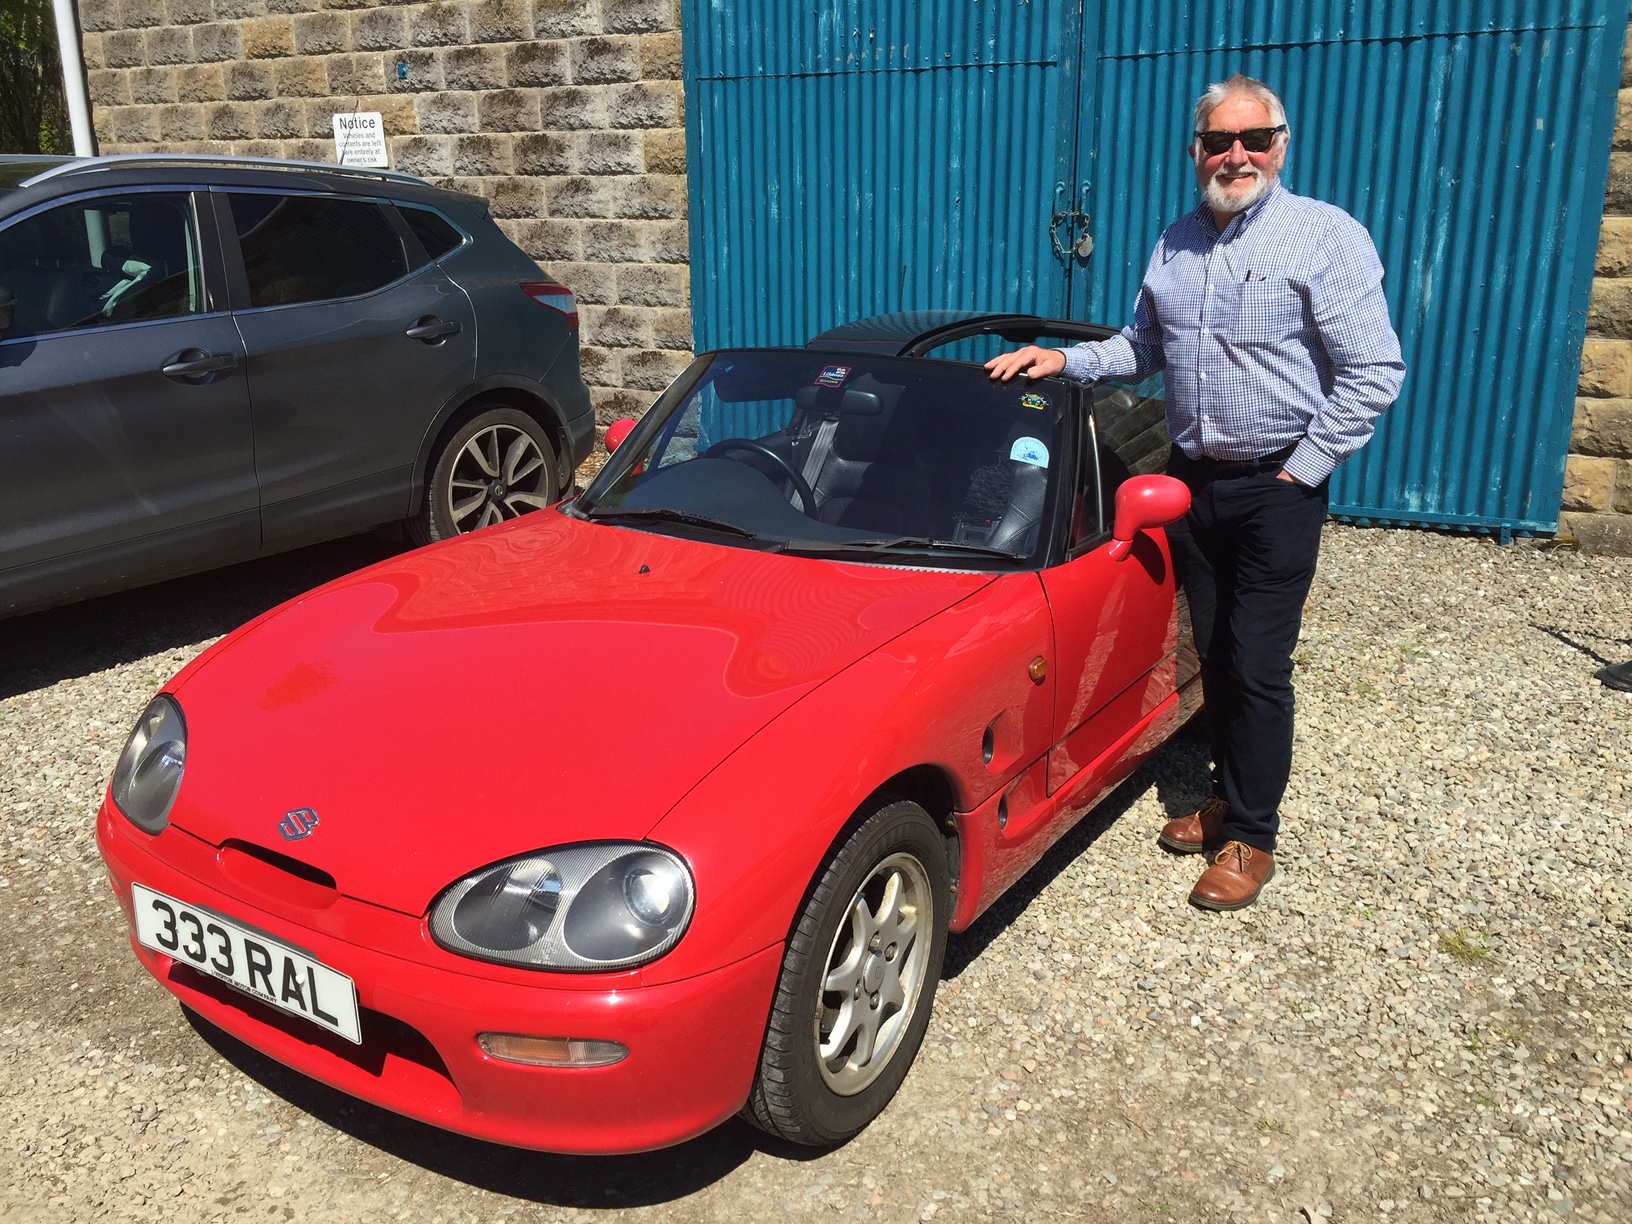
x: 435, y: 234
x: 93, y: 263
x: 308, y: 248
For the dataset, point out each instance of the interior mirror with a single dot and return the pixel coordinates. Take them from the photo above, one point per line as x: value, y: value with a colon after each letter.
x: 616, y: 433
x: 1144, y: 502
x: 8, y: 309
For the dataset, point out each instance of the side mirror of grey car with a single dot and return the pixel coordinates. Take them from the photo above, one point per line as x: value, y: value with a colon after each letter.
x: 8, y: 310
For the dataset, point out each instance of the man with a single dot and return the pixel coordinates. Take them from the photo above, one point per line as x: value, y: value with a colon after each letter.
x: 1267, y: 311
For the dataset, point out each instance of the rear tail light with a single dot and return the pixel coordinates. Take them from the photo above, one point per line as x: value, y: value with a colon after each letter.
x: 556, y: 297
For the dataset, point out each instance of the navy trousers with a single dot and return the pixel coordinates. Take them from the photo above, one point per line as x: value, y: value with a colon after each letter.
x: 1245, y: 555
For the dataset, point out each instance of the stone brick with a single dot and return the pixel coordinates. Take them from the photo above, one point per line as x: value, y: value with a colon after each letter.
x: 600, y: 60
x: 653, y: 369
x: 590, y: 283
x: 249, y: 82
x: 598, y: 365
x: 646, y: 105
x: 636, y: 16
x: 1621, y: 137
x: 575, y: 196
x: 295, y: 6
x: 439, y: 25
x: 446, y: 112
x: 617, y: 326
x: 1603, y: 427
x: 258, y: 148
x: 650, y: 196
x: 108, y: 88
x: 140, y: 14
x: 190, y: 12
x: 425, y: 156
x: 1615, y: 247
x: 476, y: 186
x: 100, y: 15
x: 544, y: 153
x: 1623, y: 487
x: 1618, y: 196
x: 671, y: 329
x: 169, y: 45
x: 424, y: 71
x: 153, y: 85
x: 1610, y: 313
x: 615, y: 241
x: 548, y: 238
x: 496, y: 21
x: 671, y: 241
x: 380, y: 29
x: 616, y: 404
x: 1589, y: 483
x: 102, y: 125
x: 1607, y: 535
x: 90, y: 51
x: 124, y: 49
x: 1606, y: 368
x: 653, y: 284
x: 660, y: 57
x: 517, y: 197
x: 201, y: 83
x: 564, y: 18
x: 396, y: 112
x: 538, y: 63
x: 136, y: 124
x: 357, y: 74
x: 322, y: 33
x: 302, y: 77
x: 238, y: 10
x: 217, y: 42
x: 573, y: 107
x: 269, y: 37
x: 280, y: 120
x: 507, y: 110
x: 313, y: 150
x: 665, y: 151
x: 181, y: 121
x: 230, y: 121
x: 473, y: 67
x: 482, y: 154
x: 320, y: 113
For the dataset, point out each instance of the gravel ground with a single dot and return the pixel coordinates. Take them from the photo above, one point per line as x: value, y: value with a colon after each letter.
x: 1425, y: 1018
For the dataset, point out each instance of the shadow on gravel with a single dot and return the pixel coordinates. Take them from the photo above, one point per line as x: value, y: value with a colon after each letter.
x: 77, y: 639
x: 540, y: 1177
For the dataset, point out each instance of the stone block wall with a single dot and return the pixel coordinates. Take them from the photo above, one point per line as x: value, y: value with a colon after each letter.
x: 567, y: 115
x: 1597, y: 508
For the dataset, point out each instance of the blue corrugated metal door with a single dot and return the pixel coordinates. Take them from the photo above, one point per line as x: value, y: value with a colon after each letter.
x: 854, y: 157
x: 1471, y: 139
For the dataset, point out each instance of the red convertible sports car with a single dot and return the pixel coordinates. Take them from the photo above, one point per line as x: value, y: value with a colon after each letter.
x: 590, y: 830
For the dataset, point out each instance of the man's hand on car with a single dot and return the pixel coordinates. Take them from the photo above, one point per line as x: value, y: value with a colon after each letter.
x: 1036, y: 362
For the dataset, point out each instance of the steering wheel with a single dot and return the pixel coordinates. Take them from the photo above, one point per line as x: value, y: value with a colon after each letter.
x: 800, y: 485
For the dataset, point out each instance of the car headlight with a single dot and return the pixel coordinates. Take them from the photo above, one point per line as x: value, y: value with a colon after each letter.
x: 599, y: 906
x: 148, y: 774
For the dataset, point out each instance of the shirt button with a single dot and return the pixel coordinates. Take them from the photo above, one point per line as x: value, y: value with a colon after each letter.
x: 1204, y: 331
x: 1204, y: 376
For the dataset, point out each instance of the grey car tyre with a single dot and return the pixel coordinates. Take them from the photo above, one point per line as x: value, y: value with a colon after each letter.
x: 858, y: 981
x: 498, y: 465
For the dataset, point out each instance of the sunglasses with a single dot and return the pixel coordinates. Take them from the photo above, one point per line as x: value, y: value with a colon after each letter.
x: 1253, y: 140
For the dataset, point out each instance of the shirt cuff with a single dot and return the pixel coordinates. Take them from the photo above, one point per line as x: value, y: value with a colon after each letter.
x: 1082, y: 363
x: 1309, y: 465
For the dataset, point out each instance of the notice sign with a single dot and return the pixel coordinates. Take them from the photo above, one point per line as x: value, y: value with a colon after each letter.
x: 359, y: 139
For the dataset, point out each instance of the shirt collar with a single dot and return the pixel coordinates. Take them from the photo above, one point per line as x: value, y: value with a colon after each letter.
x: 1205, y: 214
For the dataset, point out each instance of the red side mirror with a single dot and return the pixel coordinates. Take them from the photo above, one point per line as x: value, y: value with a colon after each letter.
x: 616, y: 433
x: 1144, y: 502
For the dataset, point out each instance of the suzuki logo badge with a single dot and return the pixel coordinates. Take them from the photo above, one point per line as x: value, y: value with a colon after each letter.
x: 297, y: 824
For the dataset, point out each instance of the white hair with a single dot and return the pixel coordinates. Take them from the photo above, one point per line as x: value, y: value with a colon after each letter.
x: 1239, y: 85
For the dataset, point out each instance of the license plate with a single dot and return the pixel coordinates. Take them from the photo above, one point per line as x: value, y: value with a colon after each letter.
x: 243, y: 957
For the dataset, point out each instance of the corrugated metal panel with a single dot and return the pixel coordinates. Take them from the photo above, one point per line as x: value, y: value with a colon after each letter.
x: 838, y: 153
x: 1471, y: 140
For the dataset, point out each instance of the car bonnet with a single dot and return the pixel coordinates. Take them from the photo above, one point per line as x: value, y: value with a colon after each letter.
x: 543, y: 682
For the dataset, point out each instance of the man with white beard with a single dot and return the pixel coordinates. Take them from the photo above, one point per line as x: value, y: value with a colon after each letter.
x: 1266, y: 309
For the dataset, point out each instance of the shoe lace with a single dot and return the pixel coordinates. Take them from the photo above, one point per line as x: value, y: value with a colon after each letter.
x: 1213, y: 807
x: 1242, y: 852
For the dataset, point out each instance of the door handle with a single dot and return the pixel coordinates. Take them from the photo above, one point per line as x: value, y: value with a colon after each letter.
x: 191, y: 363
x: 431, y: 329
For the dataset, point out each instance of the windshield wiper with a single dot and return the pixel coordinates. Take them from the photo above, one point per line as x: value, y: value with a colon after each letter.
x: 895, y: 544
x: 668, y: 514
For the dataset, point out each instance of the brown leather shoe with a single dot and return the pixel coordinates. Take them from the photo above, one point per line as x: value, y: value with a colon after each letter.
x: 1236, y: 876
x: 1198, y: 831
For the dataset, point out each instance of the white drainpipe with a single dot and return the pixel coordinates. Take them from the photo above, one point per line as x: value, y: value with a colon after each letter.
x: 73, y: 78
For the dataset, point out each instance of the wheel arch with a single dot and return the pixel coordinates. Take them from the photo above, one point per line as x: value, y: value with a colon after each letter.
x: 499, y: 390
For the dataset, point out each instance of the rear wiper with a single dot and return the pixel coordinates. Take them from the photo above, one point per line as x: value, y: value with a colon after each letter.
x: 668, y: 514
x: 895, y: 544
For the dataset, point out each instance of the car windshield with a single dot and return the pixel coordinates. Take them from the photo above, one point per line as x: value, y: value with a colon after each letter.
x: 861, y: 457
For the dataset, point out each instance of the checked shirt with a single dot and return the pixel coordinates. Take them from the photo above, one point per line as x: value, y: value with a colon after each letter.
x: 1272, y: 333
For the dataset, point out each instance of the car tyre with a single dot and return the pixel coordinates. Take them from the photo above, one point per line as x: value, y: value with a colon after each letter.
x: 499, y: 464
x: 858, y: 981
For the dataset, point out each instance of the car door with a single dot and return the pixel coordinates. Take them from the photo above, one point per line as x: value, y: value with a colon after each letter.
x: 354, y: 343
x: 126, y: 447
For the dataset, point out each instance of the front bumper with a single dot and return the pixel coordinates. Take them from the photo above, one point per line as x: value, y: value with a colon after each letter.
x: 693, y: 1044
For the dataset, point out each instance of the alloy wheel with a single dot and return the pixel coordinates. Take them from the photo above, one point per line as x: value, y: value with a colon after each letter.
x: 500, y: 473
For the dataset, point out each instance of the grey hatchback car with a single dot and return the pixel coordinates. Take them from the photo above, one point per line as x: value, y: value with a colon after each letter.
x: 204, y: 359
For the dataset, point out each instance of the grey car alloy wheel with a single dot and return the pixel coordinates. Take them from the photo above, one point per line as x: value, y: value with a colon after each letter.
x: 499, y: 465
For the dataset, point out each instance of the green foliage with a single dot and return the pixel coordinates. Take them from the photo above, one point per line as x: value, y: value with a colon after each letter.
x: 33, y: 113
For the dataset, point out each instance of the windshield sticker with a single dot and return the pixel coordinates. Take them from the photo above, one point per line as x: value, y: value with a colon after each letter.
x: 1032, y: 400
x: 1029, y: 450
x: 833, y: 376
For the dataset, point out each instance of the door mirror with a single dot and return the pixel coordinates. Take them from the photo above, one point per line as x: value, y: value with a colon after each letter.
x: 8, y: 310
x: 616, y: 433
x: 1144, y: 502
